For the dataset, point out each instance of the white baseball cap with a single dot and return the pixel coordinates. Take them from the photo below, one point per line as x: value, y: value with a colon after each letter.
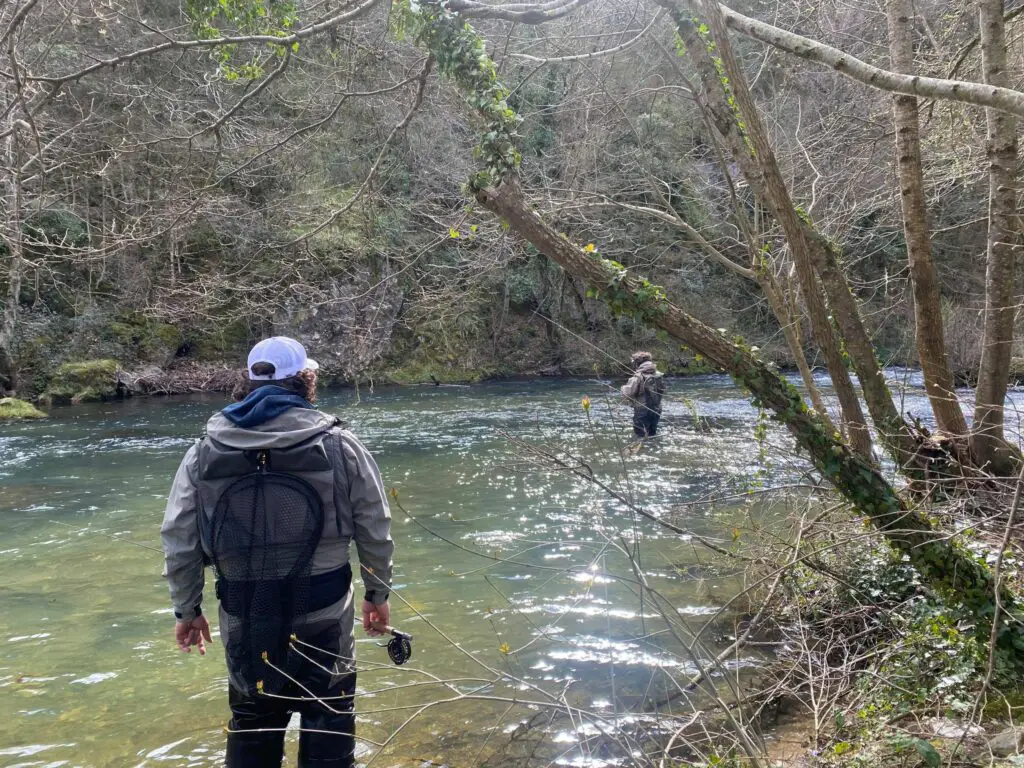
x: 286, y: 355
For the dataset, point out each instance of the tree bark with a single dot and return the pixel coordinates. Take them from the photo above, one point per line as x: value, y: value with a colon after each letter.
x: 11, y: 236
x: 929, y: 334
x: 790, y: 323
x: 988, y: 446
x: 945, y: 567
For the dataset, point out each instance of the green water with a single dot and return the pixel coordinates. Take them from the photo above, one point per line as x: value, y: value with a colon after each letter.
x: 89, y: 675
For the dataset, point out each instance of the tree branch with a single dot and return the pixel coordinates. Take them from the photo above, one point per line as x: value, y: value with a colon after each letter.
x: 1003, y: 99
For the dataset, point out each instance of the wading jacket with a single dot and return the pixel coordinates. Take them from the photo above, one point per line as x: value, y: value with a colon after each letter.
x: 342, y: 472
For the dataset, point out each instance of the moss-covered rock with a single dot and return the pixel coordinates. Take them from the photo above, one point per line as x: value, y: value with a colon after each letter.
x: 87, y: 381
x: 12, y: 408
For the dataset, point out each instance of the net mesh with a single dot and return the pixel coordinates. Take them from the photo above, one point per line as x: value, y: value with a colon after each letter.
x: 264, y: 531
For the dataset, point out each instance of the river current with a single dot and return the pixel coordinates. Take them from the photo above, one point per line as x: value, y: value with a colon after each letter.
x: 513, y: 567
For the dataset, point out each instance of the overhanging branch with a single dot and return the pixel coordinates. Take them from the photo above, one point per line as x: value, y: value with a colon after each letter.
x: 979, y: 94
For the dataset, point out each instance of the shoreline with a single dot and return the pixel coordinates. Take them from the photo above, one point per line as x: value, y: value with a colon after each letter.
x: 107, y: 381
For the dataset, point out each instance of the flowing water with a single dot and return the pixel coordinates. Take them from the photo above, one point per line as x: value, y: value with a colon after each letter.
x: 89, y: 675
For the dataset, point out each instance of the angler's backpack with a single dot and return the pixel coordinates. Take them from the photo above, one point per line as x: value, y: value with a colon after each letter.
x: 262, y: 534
x: 654, y: 390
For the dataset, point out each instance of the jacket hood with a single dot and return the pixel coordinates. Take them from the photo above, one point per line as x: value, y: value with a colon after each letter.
x: 647, y: 368
x: 290, y: 428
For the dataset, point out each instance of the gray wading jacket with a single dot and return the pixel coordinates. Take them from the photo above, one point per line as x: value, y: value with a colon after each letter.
x: 350, y: 487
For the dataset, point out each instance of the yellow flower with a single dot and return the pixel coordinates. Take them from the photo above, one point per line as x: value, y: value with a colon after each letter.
x: 585, y: 402
x: 589, y: 247
x: 505, y: 648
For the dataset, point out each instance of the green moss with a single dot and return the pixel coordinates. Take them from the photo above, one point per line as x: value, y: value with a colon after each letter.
x: 87, y: 381
x: 12, y: 408
x: 432, y: 372
x: 1001, y: 702
x: 146, y: 339
x: 227, y: 342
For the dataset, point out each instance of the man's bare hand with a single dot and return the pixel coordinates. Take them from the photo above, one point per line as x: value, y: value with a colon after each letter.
x: 376, y: 618
x: 195, y: 632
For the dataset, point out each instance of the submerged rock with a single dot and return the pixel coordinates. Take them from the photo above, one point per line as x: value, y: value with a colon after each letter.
x: 12, y: 408
x: 87, y: 381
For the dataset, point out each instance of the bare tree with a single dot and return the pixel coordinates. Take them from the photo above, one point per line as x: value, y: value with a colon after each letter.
x: 931, y: 346
x: 987, y: 440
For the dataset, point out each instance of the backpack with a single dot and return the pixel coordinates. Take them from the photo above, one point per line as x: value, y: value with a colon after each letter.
x: 261, y: 536
x: 653, y: 389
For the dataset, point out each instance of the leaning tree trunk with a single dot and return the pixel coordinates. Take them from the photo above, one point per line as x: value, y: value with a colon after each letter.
x: 728, y: 97
x: 931, y: 343
x: 987, y: 441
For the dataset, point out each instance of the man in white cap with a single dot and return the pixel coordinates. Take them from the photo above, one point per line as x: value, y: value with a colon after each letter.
x: 272, y: 496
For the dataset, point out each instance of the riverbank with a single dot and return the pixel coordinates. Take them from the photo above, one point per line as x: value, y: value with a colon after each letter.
x: 105, y: 379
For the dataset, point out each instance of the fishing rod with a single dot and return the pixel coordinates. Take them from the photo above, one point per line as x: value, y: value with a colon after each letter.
x: 110, y: 536
x: 399, y: 646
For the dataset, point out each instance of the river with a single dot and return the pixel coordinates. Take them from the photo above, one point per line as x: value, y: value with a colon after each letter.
x: 89, y: 675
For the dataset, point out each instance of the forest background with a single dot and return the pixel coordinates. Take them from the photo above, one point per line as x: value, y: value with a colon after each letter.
x: 180, y: 203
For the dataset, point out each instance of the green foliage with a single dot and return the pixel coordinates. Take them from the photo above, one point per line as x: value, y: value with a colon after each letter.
x: 82, y: 382
x: 214, y: 19
x: 13, y: 409
x: 703, y: 31
x: 637, y: 298
x: 920, y: 653
x: 460, y: 54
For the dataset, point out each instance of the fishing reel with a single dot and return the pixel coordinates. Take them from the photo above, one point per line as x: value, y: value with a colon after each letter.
x: 399, y: 646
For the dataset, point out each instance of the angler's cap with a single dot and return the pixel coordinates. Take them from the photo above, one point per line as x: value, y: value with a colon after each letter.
x: 286, y: 355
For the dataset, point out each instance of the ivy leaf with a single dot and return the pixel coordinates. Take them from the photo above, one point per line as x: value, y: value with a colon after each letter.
x: 928, y: 753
